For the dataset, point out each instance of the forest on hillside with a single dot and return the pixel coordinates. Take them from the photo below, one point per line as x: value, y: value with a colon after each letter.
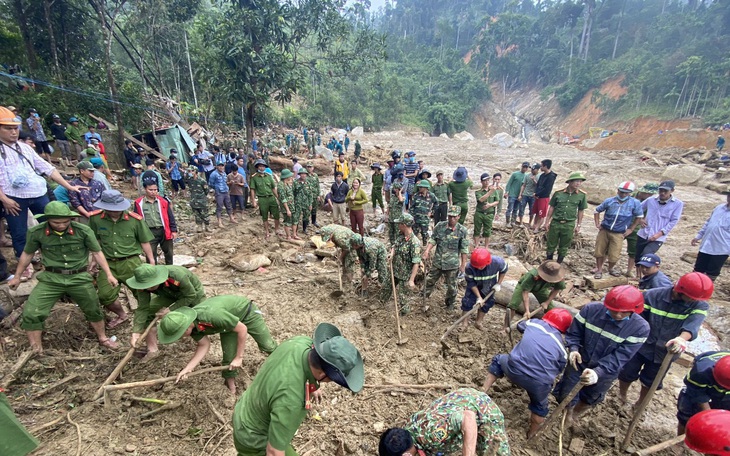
x: 426, y: 63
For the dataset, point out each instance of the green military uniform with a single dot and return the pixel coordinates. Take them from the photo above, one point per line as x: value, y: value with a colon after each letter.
x: 376, y: 194
x: 395, y: 211
x: 198, y: 199
x: 271, y: 410
x: 182, y: 288
x: 459, y: 196
x: 302, y: 201
x: 533, y: 283
x: 652, y: 189
x: 65, y: 257
x: 313, y: 183
x: 263, y: 185
x: 342, y: 237
x: 421, y: 208
x: 407, y: 252
x: 484, y: 216
x: 358, y: 149
x: 562, y: 226
x: 441, y: 192
x: 15, y: 440
x: 374, y: 257
x: 120, y: 241
x: 219, y: 315
x: 450, y: 244
x: 286, y: 195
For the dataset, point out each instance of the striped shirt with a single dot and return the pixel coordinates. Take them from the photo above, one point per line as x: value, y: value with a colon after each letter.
x: 20, y: 170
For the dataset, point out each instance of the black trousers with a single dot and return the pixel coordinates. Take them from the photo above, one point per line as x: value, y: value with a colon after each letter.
x: 165, y: 245
x: 439, y: 215
x: 709, y: 264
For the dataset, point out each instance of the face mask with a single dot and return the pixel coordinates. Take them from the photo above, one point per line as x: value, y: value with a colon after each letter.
x: 622, y: 198
x: 261, y: 171
x: 623, y: 319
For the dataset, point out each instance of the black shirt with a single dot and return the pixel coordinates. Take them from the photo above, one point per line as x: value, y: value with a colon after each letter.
x: 545, y: 185
x: 59, y: 131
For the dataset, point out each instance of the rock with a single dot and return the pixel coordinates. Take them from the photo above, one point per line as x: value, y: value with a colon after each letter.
x: 503, y: 140
x: 24, y: 289
x: 718, y: 187
x: 248, y: 263
x: 310, y: 257
x: 184, y: 260
x: 466, y: 136
x: 576, y: 446
x: 683, y: 174
x: 516, y: 268
x: 326, y: 253
x: 597, y: 187
x: 129, y: 448
x: 324, y: 153
x: 357, y: 131
x: 444, y: 135
x: 294, y: 256
x: 379, y: 427
x: 350, y: 318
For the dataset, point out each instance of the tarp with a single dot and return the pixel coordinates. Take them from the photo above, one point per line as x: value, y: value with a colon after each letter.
x: 174, y: 137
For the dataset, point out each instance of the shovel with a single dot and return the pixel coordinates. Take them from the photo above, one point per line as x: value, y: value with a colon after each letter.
x: 401, y: 341
x: 338, y: 293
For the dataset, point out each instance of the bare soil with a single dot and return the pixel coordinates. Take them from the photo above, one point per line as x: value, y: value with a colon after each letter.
x: 295, y: 297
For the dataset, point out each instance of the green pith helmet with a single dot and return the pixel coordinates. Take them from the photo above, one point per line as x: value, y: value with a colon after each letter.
x: 575, y: 176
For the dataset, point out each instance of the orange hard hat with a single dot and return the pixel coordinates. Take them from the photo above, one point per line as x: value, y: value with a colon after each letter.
x: 8, y: 117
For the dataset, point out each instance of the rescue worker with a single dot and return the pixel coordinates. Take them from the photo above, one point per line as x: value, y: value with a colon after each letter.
x: 706, y: 386
x: 464, y: 421
x: 458, y: 191
x: 534, y: 364
x: 449, y: 259
x: 489, y: 206
x: 272, y: 408
x: 675, y: 315
x: 544, y: 282
x: 602, y: 339
x: 395, y: 202
x: 651, y: 276
x: 565, y: 208
x: 263, y: 185
x: 708, y: 432
x: 173, y: 287
x: 373, y: 257
x: 484, y: 274
x: 65, y: 247
x: 123, y: 237
x: 233, y: 317
x: 441, y: 191
x: 406, y: 259
x: 314, y: 192
x: 15, y: 440
x: 344, y: 239
x: 422, y: 206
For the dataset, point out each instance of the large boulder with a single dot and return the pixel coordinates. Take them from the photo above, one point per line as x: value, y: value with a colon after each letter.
x: 444, y: 135
x: 683, y: 174
x: 324, y: 153
x: 503, y: 140
x: 464, y: 136
x: 357, y: 131
x: 598, y: 187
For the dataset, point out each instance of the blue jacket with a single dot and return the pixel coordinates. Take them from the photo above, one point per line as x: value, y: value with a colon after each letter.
x: 218, y: 183
x: 656, y: 280
x: 540, y: 354
x: 619, y: 216
x: 701, y: 384
x: 604, y: 343
x: 667, y: 319
x: 483, y: 279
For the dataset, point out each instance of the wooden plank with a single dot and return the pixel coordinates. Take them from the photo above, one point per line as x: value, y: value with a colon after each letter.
x: 576, y: 446
x: 129, y: 137
x: 606, y: 282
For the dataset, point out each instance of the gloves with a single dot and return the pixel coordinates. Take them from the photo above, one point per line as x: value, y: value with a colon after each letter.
x: 589, y: 377
x: 496, y: 287
x: 677, y: 345
x: 575, y: 359
x: 480, y: 302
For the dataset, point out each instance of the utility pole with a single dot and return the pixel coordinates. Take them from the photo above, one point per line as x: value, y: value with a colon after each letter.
x: 190, y: 67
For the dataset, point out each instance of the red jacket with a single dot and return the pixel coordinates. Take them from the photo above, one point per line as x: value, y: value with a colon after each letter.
x: 168, y: 219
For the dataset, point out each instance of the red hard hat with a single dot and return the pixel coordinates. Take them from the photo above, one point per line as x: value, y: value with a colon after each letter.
x: 480, y: 258
x: 708, y: 432
x: 721, y: 372
x: 624, y: 298
x: 695, y: 285
x: 559, y: 319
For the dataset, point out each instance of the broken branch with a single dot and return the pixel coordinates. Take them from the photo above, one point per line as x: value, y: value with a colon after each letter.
x: 10, y: 378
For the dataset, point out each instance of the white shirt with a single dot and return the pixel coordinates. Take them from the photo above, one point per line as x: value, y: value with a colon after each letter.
x: 17, y: 176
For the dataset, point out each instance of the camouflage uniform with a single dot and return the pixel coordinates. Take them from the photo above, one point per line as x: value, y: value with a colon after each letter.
x: 374, y: 257
x: 341, y: 236
x: 421, y: 207
x: 302, y: 202
x: 450, y: 245
x: 313, y: 183
x: 198, y: 198
x: 407, y: 252
x: 286, y: 195
x: 395, y: 210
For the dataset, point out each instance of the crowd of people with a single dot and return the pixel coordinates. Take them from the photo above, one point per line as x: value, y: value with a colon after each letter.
x: 624, y: 337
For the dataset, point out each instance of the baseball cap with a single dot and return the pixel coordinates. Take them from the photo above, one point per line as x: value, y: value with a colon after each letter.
x: 536, y: 166
x: 649, y: 260
x: 484, y: 176
x: 666, y: 185
x: 525, y: 164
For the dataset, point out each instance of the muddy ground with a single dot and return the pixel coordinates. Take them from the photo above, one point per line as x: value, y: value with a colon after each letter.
x: 294, y: 298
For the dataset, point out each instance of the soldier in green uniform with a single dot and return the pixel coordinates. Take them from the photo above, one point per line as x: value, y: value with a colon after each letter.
x: 406, y: 259
x: 313, y: 182
x: 358, y: 149
x: 263, y: 186
x: 15, y: 440
x: 566, y: 206
x: 302, y: 201
x: 65, y: 248
x: 489, y: 206
x: 376, y: 195
x: 459, y: 190
x: 641, y: 193
x: 422, y: 207
x: 373, y: 257
x: 173, y: 286
x: 198, y: 198
x: 123, y: 237
x: 286, y: 202
x: 395, y: 204
x: 543, y: 282
x: 441, y: 191
x: 233, y: 317
x: 452, y: 250
x: 344, y: 239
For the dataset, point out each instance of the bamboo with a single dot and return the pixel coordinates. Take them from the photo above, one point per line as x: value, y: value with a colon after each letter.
x: 558, y: 411
x: 660, y: 446
x: 160, y: 381
x: 53, y: 386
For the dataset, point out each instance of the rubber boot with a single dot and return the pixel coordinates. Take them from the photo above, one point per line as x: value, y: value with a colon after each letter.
x: 560, y: 259
x: 549, y: 256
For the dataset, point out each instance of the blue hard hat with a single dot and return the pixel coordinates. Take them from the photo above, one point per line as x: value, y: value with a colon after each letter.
x: 73, y: 119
